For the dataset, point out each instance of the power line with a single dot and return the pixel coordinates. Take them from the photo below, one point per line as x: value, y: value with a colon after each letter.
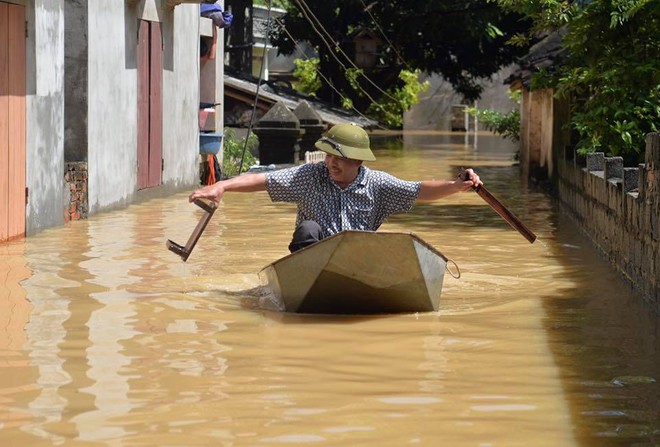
x: 327, y: 81
x: 303, y: 5
x: 302, y: 9
x: 382, y: 33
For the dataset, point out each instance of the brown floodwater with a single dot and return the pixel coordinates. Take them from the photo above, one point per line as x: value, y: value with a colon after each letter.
x: 107, y: 338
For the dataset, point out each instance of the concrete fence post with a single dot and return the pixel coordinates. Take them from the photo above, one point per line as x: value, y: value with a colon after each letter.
x: 278, y: 131
x: 652, y: 157
x: 595, y: 161
x: 630, y: 179
x: 641, y: 180
x: 652, y: 198
x: 613, y: 167
x: 312, y: 124
x: 652, y: 165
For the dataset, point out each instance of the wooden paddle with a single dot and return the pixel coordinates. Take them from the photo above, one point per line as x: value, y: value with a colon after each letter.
x: 503, y: 211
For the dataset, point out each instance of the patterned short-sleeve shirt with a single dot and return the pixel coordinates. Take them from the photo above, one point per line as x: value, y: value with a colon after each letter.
x: 363, y: 205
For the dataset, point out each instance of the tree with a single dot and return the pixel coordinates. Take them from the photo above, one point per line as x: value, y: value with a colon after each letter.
x: 611, y: 71
x: 464, y: 40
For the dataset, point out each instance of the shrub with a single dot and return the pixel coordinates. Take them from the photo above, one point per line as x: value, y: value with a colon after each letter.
x: 505, y: 124
x: 233, y: 153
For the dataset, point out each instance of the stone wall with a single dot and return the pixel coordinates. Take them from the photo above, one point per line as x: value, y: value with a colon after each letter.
x: 619, y: 209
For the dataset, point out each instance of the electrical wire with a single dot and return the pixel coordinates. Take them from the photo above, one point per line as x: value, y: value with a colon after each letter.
x: 318, y: 72
x: 339, y: 49
x: 331, y: 52
x: 382, y: 33
x: 305, y: 9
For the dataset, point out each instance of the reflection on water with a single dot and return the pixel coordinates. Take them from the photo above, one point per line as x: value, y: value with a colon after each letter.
x: 109, y: 338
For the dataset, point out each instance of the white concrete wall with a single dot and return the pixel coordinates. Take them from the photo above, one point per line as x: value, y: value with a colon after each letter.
x: 212, y: 86
x: 220, y: 86
x: 181, y: 99
x: 112, y: 114
x: 112, y: 105
x: 433, y: 112
x: 45, y: 114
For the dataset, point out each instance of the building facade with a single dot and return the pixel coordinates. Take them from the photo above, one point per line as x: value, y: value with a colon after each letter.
x: 111, y: 100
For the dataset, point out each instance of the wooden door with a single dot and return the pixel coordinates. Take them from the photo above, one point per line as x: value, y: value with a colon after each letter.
x: 150, y: 104
x: 12, y: 121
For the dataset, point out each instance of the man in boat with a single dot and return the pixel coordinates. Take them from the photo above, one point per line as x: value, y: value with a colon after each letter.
x: 339, y: 193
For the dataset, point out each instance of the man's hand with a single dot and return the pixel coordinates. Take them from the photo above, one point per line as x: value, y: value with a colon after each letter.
x: 213, y: 192
x: 468, y: 179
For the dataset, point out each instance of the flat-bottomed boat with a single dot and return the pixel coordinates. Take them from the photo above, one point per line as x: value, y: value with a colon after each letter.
x: 359, y: 272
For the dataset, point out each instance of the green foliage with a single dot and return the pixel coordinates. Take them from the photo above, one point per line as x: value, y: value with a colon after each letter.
x: 505, y: 124
x: 463, y: 40
x: 611, y: 73
x: 493, y: 31
x: 353, y: 76
x: 233, y: 151
x: 306, y: 74
x: 390, y: 108
x: 346, y: 103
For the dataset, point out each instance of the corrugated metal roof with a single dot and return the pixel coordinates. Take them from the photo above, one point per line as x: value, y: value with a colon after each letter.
x: 270, y: 94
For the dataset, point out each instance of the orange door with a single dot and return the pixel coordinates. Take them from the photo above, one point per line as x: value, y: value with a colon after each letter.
x: 12, y: 121
x: 150, y: 104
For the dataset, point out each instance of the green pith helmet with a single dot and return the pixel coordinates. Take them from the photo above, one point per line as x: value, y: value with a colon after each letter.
x: 346, y: 140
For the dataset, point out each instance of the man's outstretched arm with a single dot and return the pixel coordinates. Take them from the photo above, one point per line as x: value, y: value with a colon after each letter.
x: 241, y: 183
x: 437, y: 189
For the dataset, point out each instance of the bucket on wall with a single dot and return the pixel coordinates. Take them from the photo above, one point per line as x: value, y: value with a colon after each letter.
x: 210, y: 143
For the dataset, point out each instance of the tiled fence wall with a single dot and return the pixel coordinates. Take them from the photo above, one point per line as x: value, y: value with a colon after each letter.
x: 619, y: 208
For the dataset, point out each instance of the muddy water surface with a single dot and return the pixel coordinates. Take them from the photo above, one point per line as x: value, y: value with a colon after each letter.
x: 106, y: 338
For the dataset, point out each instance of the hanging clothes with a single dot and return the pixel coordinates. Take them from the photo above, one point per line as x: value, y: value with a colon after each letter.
x: 221, y: 19
x: 211, y: 172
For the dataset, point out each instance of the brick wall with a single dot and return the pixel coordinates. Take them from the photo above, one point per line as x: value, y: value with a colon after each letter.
x: 619, y: 209
x: 76, y: 177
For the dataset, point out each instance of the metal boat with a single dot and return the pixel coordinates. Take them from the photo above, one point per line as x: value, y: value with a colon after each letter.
x: 359, y: 272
